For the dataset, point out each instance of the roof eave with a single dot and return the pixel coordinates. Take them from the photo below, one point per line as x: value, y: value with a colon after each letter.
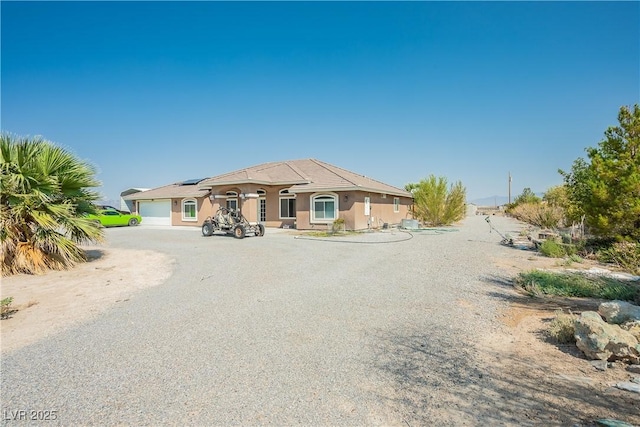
x: 139, y: 196
x: 351, y: 188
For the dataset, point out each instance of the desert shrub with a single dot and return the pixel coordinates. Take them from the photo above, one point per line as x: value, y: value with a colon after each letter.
x: 338, y: 225
x: 5, y: 307
x: 576, y: 258
x: 552, y: 249
x: 436, y: 202
x: 539, y: 214
x: 562, y: 327
x: 538, y: 283
x: 625, y: 255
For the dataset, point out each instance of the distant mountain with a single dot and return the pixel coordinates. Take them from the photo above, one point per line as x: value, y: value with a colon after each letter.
x: 490, y: 201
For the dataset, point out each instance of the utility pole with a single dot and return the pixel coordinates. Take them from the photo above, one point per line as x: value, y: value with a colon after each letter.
x: 509, y: 187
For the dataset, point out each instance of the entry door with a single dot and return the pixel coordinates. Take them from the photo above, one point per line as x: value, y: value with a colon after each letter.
x: 262, y: 209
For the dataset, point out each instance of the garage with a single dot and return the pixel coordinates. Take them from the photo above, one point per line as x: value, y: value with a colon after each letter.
x: 157, y: 212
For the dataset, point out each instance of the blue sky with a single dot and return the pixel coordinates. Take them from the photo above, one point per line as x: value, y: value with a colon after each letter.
x: 158, y: 92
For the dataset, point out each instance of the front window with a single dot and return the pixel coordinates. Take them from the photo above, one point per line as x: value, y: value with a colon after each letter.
x: 396, y: 204
x: 287, y: 205
x: 232, y: 200
x: 189, y: 210
x: 323, y: 208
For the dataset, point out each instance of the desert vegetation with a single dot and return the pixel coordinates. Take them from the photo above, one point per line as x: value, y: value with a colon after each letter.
x: 436, y: 202
x: 601, y: 194
x: 576, y: 284
x: 45, y: 192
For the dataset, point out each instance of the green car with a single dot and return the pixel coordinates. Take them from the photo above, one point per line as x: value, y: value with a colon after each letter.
x: 114, y: 218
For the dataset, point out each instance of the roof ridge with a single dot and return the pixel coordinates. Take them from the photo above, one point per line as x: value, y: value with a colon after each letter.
x: 296, y: 169
x: 364, y: 176
x: 324, y: 165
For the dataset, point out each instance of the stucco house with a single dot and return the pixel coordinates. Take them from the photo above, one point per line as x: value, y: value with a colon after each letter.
x: 304, y: 194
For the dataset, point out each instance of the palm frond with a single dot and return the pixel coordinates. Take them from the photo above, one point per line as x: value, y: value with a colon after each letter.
x: 44, y: 195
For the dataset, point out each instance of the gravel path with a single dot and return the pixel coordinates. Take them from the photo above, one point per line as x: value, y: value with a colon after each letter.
x: 279, y: 330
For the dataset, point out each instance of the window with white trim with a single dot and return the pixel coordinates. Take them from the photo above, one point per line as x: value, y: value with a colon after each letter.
x: 396, y: 204
x: 232, y: 200
x: 189, y: 210
x: 323, y: 208
x: 287, y: 205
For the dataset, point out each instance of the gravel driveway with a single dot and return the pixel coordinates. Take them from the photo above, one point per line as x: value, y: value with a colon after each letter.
x: 280, y: 330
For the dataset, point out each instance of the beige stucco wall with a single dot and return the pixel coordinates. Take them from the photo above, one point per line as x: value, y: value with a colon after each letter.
x: 350, y: 205
x: 202, y: 211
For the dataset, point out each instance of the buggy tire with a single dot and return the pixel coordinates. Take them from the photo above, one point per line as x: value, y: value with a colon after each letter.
x: 239, y: 232
x: 260, y: 230
x: 133, y: 222
x: 207, y: 229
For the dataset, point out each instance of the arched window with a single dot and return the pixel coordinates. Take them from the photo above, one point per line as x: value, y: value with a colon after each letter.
x: 189, y: 210
x: 324, y: 208
x: 261, y: 192
x: 287, y: 204
x: 232, y: 200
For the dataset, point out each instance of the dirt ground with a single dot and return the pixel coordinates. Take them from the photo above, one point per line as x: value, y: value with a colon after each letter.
x: 48, y: 303
x: 558, y: 382
x: 553, y: 383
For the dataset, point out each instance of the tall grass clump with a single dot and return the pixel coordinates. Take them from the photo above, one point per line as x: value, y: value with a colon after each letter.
x: 540, y: 283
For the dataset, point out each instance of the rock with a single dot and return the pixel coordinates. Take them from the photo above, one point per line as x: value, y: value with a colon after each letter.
x: 635, y: 380
x: 634, y: 368
x: 599, y: 340
x: 600, y: 365
x: 628, y: 386
x: 619, y: 311
x: 633, y: 327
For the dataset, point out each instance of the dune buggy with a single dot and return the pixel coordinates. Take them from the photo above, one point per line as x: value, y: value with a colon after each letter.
x: 231, y: 222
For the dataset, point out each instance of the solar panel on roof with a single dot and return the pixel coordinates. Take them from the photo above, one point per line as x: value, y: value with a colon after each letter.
x: 191, y: 181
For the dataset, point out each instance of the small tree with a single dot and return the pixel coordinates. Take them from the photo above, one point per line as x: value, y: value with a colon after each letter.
x: 556, y: 196
x: 527, y: 196
x: 436, y: 203
x: 44, y: 194
x: 607, y: 190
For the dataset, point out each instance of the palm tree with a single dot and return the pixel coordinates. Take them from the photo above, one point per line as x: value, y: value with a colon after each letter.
x: 45, y: 193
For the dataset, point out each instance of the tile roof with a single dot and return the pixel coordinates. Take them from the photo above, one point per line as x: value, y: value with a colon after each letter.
x: 168, y: 191
x: 306, y: 175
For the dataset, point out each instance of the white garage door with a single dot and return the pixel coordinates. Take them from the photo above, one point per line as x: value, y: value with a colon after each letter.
x: 156, y: 213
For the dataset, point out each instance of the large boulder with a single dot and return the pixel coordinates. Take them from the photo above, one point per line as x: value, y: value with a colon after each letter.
x: 633, y: 327
x: 599, y: 340
x: 619, y: 311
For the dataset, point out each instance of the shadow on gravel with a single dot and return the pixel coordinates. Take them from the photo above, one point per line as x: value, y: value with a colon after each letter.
x: 433, y: 380
x: 93, y: 254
